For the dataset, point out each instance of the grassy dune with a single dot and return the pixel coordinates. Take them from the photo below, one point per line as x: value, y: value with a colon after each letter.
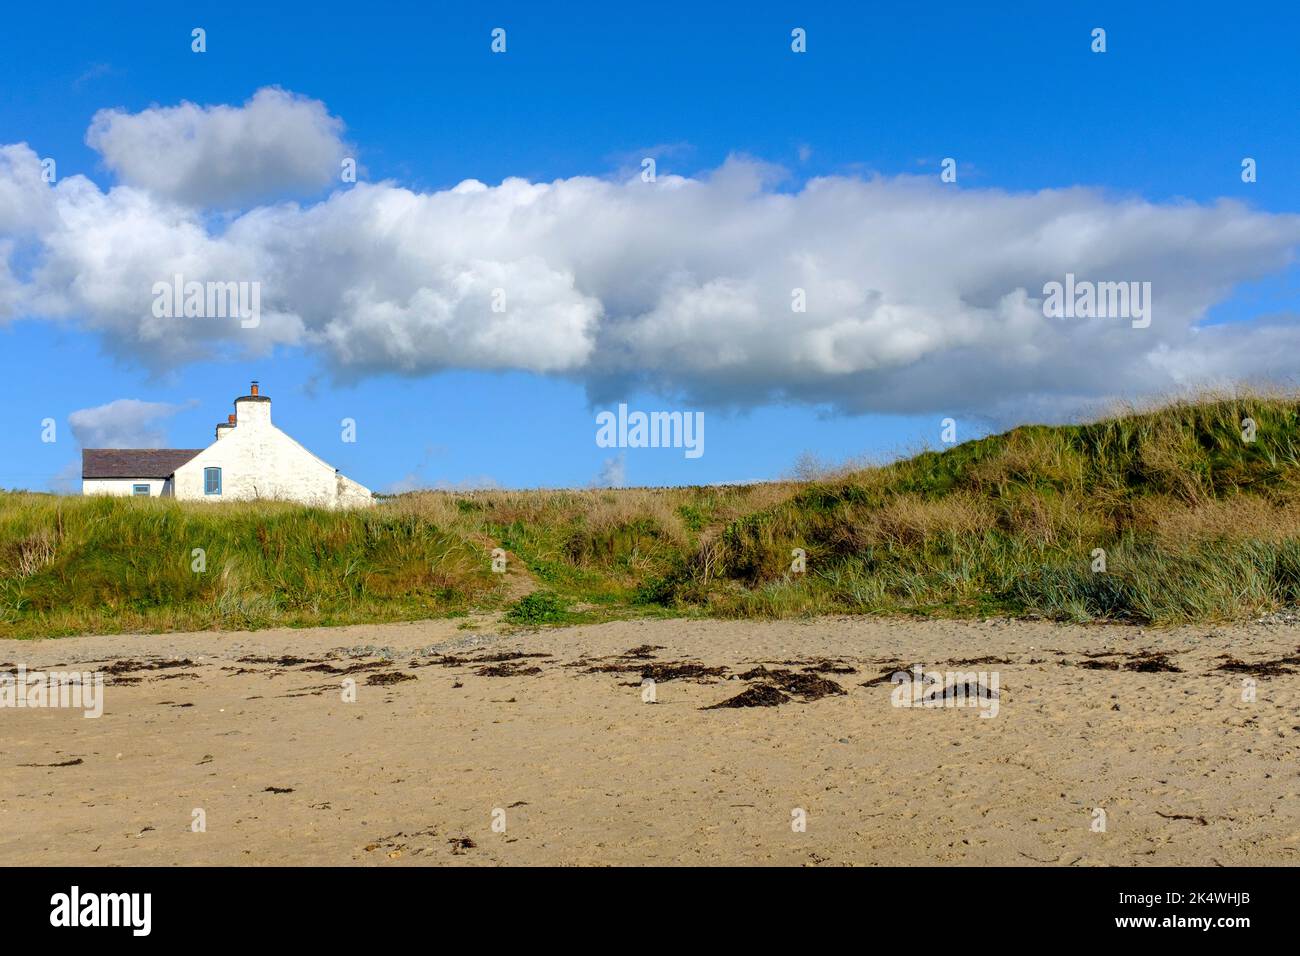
x: 1196, y: 523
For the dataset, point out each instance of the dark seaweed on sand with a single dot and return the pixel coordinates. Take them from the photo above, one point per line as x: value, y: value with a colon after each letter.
x: 679, y: 671
x: 392, y: 677
x: 760, y: 695
x: 507, y: 670
x: 807, y: 686
x: 1259, y: 668
x: 1141, y: 663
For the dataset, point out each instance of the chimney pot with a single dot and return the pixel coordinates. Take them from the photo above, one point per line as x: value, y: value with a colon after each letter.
x: 254, y: 391
x: 230, y: 418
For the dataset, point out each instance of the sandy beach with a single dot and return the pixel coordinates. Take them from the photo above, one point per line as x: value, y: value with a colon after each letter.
x: 465, y: 747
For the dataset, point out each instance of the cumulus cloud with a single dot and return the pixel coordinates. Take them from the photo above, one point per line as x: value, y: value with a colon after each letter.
x: 26, y: 203
x: 920, y: 296
x: 275, y: 144
x: 11, y: 289
x: 124, y: 423
x: 613, y: 472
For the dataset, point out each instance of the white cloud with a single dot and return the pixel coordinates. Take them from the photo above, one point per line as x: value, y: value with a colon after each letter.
x: 920, y: 296
x: 222, y: 156
x: 26, y: 203
x: 67, y: 480
x: 613, y: 472
x: 124, y: 423
x: 11, y: 289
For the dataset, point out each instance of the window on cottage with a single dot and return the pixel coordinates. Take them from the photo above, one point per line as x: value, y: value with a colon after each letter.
x: 140, y: 490
x: 212, y: 481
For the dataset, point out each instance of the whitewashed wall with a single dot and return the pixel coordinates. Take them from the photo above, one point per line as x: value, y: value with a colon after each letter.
x: 258, y: 461
x: 121, y: 486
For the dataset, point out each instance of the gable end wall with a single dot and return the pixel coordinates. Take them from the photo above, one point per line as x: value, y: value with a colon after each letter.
x: 260, y: 462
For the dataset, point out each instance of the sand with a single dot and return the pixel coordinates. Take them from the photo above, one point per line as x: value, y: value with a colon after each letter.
x: 573, y: 767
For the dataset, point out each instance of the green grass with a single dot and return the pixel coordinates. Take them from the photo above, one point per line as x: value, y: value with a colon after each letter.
x: 540, y: 607
x: 1196, y: 525
x: 69, y: 565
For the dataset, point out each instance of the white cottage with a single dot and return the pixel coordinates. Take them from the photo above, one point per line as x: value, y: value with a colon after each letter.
x: 251, y: 459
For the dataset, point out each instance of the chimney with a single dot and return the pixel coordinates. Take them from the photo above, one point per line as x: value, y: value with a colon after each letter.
x: 231, y: 417
x: 253, y: 409
x: 223, y: 428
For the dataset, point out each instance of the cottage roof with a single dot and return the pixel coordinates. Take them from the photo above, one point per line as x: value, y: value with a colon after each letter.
x: 133, y: 462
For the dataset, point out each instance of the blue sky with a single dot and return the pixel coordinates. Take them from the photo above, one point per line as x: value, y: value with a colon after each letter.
x: 1160, y: 122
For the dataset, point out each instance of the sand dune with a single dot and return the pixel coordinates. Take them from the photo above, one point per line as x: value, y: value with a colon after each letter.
x: 457, y: 750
